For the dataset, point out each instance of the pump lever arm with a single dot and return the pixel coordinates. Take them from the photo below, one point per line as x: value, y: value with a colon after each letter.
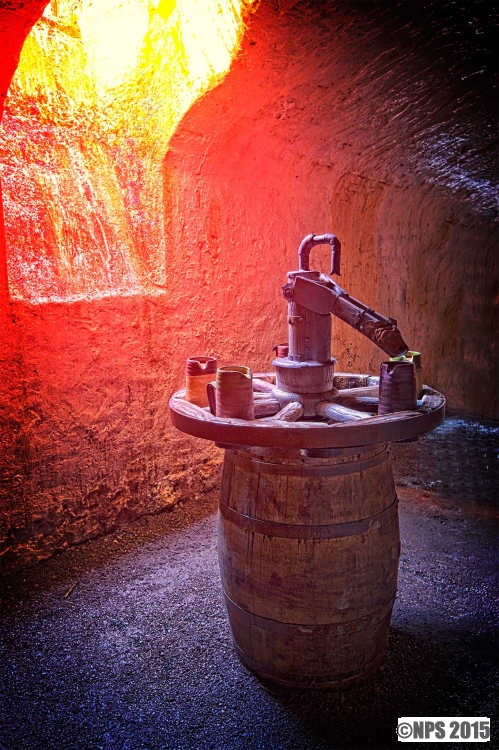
x: 326, y: 296
x: 310, y: 241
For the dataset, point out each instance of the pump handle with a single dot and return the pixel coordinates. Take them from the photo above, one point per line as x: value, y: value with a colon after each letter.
x: 310, y: 241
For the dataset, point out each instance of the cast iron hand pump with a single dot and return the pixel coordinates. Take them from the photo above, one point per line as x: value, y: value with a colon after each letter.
x: 319, y: 294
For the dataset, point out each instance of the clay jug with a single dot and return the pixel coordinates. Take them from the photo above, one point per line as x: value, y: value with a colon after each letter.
x: 199, y: 372
x: 397, y: 387
x: 234, y: 393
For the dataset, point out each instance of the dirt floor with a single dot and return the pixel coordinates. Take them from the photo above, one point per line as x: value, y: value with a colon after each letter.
x: 138, y: 654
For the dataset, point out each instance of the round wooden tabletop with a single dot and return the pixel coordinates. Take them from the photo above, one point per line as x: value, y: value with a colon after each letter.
x: 350, y: 418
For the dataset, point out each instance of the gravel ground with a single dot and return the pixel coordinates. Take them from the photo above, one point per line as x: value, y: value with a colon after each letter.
x: 139, y: 654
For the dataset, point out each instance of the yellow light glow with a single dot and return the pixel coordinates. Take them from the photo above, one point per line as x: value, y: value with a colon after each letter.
x: 127, y: 62
x: 113, y: 32
x: 100, y: 89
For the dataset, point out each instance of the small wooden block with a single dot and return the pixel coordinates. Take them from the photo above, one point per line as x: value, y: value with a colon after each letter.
x: 350, y: 380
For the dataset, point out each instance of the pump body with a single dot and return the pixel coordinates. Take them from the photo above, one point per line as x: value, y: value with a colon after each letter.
x: 307, y: 373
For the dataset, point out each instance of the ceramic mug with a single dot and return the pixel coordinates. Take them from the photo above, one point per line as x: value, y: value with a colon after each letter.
x: 397, y: 386
x: 234, y: 392
x: 281, y: 350
x: 416, y: 358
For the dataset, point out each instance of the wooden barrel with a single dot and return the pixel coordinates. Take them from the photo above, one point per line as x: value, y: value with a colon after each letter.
x: 308, y: 551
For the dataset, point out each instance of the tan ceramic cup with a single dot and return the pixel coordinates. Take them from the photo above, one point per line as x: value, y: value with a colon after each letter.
x: 199, y: 372
x: 234, y: 394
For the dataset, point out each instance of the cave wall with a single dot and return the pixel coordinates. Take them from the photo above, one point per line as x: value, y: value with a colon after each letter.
x: 346, y: 119
x: 363, y: 119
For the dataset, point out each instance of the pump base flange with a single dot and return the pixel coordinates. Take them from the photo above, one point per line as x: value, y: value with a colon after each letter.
x: 304, y: 377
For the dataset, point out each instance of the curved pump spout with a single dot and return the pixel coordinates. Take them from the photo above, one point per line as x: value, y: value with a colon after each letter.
x: 318, y: 295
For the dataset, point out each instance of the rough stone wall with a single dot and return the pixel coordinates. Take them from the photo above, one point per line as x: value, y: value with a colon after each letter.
x: 91, y: 444
x: 354, y: 118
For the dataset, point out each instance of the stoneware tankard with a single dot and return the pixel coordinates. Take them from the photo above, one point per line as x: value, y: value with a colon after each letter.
x: 397, y: 387
x: 234, y: 392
